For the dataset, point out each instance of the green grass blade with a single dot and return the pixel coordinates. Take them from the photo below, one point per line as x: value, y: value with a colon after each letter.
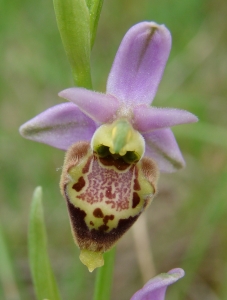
x: 7, y: 278
x: 42, y: 274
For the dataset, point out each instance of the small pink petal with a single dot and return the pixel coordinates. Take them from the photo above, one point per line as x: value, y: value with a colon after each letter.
x: 100, y: 107
x: 155, y: 288
x: 161, y: 145
x: 139, y: 63
x: 59, y: 126
x: 149, y: 118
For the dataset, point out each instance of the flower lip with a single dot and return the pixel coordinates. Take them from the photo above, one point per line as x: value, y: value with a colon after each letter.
x: 104, y: 197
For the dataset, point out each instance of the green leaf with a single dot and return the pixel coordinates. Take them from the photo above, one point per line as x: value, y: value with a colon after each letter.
x: 73, y: 21
x: 42, y: 274
x: 95, y: 7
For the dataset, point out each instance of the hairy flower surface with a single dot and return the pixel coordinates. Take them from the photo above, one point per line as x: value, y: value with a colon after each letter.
x: 116, y: 142
x: 155, y: 288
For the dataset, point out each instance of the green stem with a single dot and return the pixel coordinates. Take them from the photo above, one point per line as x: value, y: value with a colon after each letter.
x: 73, y: 21
x: 104, y: 277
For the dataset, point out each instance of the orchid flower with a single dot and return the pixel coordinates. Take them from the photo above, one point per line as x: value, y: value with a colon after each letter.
x: 155, y: 288
x: 116, y: 142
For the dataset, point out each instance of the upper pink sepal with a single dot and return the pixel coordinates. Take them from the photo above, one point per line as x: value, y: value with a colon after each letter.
x: 139, y: 63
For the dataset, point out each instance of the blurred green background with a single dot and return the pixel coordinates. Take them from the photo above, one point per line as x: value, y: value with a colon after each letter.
x: 187, y: 221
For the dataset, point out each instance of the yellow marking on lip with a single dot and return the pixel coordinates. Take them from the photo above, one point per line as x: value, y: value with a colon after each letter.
x: 108, y: 206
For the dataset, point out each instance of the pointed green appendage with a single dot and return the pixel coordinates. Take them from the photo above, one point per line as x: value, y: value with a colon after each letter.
x: 91, y: 259
x: 73, y: 19
x: 42, y: 274
x: 95, y: 7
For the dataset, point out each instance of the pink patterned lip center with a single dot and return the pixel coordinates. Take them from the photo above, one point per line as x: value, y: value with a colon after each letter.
x: 104, y: 184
